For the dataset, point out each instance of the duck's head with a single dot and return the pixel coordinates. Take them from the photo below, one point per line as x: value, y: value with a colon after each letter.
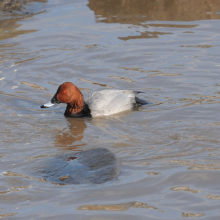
x: 67, y: 93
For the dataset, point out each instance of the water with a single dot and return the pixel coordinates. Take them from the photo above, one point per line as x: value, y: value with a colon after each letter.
x: 169, y: 149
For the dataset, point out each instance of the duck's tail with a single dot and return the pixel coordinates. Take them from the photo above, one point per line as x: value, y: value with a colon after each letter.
x: 137, y: 92
x: 140, y: 101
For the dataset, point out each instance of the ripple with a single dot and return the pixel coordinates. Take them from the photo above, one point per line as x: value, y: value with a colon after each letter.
x: 31, y: 59
x: 121, y: 78
x: 117, y: 207
x: 35, y: 86
x: 188, y: 215
x: 200, y: 46
x: 10, y: 173
x: 145, y: 35
x: 153, y: 173
x: 95, y: 83
x: 173, y: 25
x: 8, y: 214
x: 185, y: 188
x: 138, y: 69
x: 165, y: 74
x: 212, y: 196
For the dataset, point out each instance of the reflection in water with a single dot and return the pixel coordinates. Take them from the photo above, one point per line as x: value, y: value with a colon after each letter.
x: 139, y: 12
x: 146, y: 34
x: 67, y: 137
x: 9, y: 28
x: 9, y: 25
x: 169, y: 151
x: 135, y: 12
x: 16, y: 5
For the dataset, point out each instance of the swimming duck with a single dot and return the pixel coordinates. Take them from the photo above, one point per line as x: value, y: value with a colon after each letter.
x: 104, y: 102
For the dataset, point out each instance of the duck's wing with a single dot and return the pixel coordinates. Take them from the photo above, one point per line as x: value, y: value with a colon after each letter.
x: 107, y: 102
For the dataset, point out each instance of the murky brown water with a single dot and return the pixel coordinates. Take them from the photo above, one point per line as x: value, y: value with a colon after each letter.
x: 169, y: 150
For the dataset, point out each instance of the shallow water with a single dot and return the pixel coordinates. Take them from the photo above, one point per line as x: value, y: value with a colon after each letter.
x: 169, y: 149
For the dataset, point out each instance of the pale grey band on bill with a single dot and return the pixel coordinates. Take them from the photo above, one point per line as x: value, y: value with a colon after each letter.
x: 47, y: 105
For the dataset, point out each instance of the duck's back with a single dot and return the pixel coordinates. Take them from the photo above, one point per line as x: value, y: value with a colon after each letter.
x: 107, y: 102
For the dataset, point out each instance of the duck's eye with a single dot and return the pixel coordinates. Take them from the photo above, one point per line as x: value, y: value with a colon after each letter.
x: 64, y: 91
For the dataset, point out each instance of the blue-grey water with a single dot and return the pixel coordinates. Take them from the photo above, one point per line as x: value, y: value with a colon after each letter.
x: 169, y: 149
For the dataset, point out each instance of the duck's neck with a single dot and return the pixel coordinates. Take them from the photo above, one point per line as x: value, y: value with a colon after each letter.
x: 76, y: 106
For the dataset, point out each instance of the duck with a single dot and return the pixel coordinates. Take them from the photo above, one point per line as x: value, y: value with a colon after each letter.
x: 100, y: 103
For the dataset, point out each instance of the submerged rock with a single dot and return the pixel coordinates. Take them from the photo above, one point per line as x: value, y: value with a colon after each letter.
x: 97, y: 166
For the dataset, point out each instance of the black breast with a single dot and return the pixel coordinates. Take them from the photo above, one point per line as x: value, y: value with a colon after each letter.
x: 84, y: 113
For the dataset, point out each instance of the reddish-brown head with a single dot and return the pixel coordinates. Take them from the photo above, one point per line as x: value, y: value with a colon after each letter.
x: 70, y: 94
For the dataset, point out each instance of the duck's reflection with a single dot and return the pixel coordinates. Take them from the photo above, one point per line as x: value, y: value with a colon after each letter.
x: 69, y: 139
x: 75, y: 165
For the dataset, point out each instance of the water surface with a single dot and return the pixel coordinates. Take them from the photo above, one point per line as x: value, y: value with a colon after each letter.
x: 169, y: 149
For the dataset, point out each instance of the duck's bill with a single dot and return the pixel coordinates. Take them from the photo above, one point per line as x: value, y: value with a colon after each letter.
x: 47, y: 105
